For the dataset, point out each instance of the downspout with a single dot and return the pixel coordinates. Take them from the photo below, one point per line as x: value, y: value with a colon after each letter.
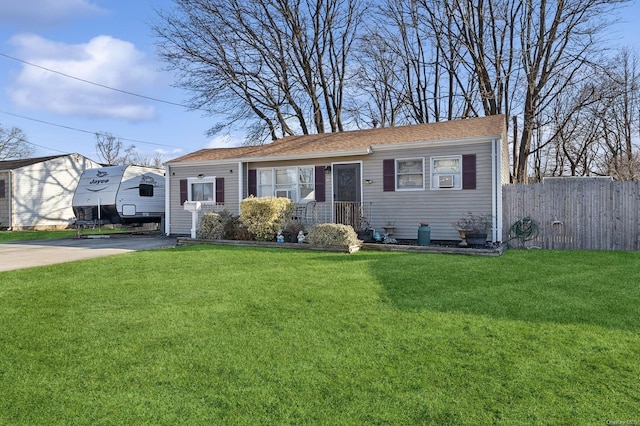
x: 496, y: 192
x: 499, y: 213
x: 10, y: 200
x: 167, y: 198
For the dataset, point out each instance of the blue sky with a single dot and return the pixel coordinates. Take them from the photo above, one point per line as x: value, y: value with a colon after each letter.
x: 110, y: 42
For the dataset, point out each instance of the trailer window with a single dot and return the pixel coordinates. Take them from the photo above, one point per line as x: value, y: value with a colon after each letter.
x: 146, y: 190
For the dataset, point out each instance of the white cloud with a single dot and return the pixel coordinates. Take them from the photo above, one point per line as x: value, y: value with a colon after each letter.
x: 39, y: 13
x: 166, y: 152
x: 104, y: 60
x: 224, y: 141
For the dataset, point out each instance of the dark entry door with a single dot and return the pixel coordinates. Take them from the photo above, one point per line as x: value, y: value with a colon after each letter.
x: 347, y: 193
x: 346, y: 182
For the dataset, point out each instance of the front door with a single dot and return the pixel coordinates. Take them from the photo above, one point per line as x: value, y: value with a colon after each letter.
x: 347, y: 193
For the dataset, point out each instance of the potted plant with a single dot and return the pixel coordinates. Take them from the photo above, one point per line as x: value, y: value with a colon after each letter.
x: 291, y: 231
x: 364, y: 231
x: 473, y: 229
x: 389, y: 227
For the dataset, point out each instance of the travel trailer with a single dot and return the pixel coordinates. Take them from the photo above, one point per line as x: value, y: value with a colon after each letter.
x: 120, y: 195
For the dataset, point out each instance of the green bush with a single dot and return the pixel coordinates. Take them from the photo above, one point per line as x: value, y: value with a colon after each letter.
x: 211, y: 227
x: 264, y: 216
x: 229, y: 224
x: 332, y: 234
x: 232, y: 227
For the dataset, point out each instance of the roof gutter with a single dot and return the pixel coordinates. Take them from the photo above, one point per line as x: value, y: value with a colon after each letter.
x: 234, y: 160
x: 330, y: 154
x: 427, y: 144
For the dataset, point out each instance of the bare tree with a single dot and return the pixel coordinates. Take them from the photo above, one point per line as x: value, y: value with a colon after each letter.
x: 620, y: 117
x: 156, y: 160
x: 412, y: 46
x: 502, y: 57
x: 558, y: 39
x: 112, y: 151
x: 284, y: 67
x: 14, y: 144
x: 592, y: 127
x: 279, y: 65
x: 568, y: 143
x: 380, y: 80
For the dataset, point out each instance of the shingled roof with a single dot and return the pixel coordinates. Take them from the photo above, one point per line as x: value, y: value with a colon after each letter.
x: 23, y: 162
x: 356, y: 140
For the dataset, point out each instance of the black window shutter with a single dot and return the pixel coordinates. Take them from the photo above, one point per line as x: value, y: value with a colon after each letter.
x: 184, y: 191
x: 2, y: 190
x: 252, y: 185
x: 389, y: 175
x: 219, y: 190
x: 320, y: 184
x: 469, y: 171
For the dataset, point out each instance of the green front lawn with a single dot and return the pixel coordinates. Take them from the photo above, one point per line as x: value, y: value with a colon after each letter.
x: 7, y: 236
x: 227, y: 335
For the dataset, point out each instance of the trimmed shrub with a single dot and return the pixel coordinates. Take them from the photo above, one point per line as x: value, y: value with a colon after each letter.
x: 240, y: 232
x: 229, y: 224
x: 211, y: 227
x: 332, y: 234
x: 264, y: 216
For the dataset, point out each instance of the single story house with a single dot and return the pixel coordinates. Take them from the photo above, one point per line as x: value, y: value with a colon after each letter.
x: 36, y: 193
x: 405, y: 175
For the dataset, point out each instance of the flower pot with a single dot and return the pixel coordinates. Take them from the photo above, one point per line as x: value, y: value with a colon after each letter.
x: 365, y: 235
x: 476, y: 240
x: 389, y: 229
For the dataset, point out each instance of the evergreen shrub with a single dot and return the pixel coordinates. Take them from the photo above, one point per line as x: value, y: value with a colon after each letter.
x: 332, y: 235
x: 264, y: 216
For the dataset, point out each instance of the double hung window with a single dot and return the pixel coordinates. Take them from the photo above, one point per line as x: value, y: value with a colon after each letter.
x: 202, y: 189
x: 410, y: 174
x: 446, y: 172
x: 295, y: 183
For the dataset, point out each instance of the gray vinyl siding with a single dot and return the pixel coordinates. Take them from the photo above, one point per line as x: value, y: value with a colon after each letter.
x: 406, y: 208
x: 436, y: 207
x: 180, y: 220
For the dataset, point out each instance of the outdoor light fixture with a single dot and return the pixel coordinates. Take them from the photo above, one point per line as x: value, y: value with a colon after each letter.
x: 327, y: 169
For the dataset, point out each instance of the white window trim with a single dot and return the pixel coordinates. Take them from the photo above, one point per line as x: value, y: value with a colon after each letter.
x: 433, y: 176
x: 205, y: 179
x: 421, y: 159
x: 296, y: 186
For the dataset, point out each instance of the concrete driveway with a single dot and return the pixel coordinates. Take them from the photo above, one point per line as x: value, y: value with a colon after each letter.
x: 25, y: 254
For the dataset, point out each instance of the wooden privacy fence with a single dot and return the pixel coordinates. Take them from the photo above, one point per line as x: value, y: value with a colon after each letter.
x: 575, y: 213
